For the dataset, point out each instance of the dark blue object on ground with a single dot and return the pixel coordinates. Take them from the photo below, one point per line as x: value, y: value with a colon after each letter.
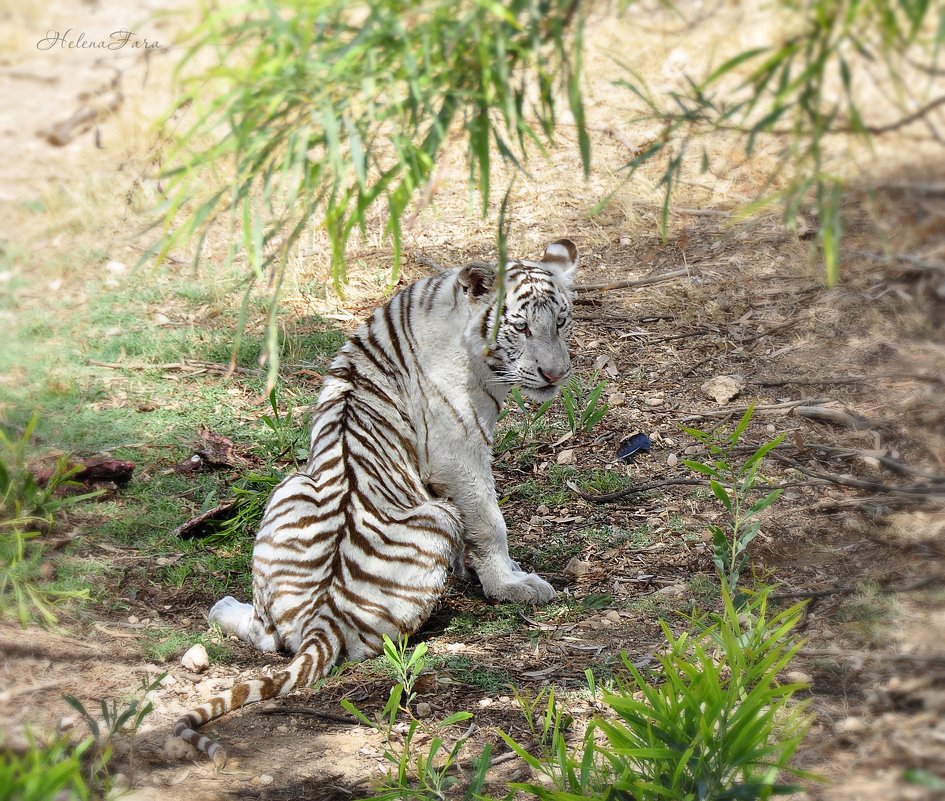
x: 633, y: 445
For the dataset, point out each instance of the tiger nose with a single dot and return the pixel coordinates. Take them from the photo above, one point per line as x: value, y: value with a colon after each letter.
x: 550, y: 377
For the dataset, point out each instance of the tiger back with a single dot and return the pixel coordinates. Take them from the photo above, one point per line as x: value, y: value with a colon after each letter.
x: 398, y: 486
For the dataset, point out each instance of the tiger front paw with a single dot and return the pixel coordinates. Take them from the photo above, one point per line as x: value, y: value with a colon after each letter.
x: 520, y: 587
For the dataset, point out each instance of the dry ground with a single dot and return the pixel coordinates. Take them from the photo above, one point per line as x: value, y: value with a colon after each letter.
x: 751, y: 303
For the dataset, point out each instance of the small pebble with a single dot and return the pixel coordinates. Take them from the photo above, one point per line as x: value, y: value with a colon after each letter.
x: 851, y: 725
x: 133, y: 619
x: 175, y: 748
x: 566, y: 456
x: 266, y: 779
x: 423, y: 709
x: 543, y: 510
x: 577, y: 568
x: 798, y: 677
x: 484, y: 702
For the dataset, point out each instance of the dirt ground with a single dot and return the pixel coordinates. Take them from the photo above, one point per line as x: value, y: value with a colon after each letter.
x: 861, y: 535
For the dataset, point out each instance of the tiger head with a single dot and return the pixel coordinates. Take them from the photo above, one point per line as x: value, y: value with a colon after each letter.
x: 531, y: 346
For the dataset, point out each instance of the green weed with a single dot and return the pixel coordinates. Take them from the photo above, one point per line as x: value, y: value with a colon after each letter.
x: 870, y: 614
x: 582, y: 404
x: 718, y: 725
x: 118, y: 718
x: 415, y: 772
x: 732, y: 483
x: 471, y: 673
x: 518, y: 423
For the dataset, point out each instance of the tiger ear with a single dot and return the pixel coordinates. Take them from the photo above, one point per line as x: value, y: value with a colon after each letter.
x: 477, y: 279
x: 562, y: 255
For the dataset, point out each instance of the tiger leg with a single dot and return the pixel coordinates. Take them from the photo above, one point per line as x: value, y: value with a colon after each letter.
x: 487, y: 545
x: 245, y: 622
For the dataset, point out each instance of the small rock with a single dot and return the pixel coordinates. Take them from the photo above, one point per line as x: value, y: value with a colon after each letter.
x: 672, y: 459
x: 175, y: 748
x: 566, y: 456
x: 196, y: 659
x: 613, y: 616
x: 723, y: 388
x: 168, y: 680
x: 115, y: 267
x: 798, y: 677
x: 282, y: 728
x: 543, y: 511
x: 616, y: 399
x: 577, y: 568
x: 672, y: 591
x: 851, y: 725
x: 66, y: 723
x: 423, y: 709
x: 484, y: 702
x: 133, y: 619
x: 265, y: 780
x: 654, y: 401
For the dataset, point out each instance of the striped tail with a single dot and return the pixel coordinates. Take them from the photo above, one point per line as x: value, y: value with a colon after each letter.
x: 313, y: 660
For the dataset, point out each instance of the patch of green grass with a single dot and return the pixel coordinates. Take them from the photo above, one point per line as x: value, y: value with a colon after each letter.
x: 218, y: 571
x: 550, y: 489
x: 704, y: 591
x: 551, y: 554
x: 658, y: 605
x: 602, y: 482
x: 614, y: 536
x: 74, y: 573
x: 495, y: 619
x: 870, y: 614
x: 471, y: 673
x: 165, y: 643
x: 150, y: 416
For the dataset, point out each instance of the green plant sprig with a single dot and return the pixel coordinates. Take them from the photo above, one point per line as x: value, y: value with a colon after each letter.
x: 784, y: 92
x: 732, y: 483
x: 326, y: 110
x: 716, y: 725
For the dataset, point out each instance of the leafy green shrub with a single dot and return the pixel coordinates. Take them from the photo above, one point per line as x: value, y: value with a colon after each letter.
x: 22, y: 495
x: 27, y: 507
x: 52, y: 772
x: 251, y: 493
x: 718, y: 726
x: 732, y: 481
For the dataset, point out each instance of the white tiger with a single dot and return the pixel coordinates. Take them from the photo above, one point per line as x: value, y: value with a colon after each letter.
x: 399, y: 483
